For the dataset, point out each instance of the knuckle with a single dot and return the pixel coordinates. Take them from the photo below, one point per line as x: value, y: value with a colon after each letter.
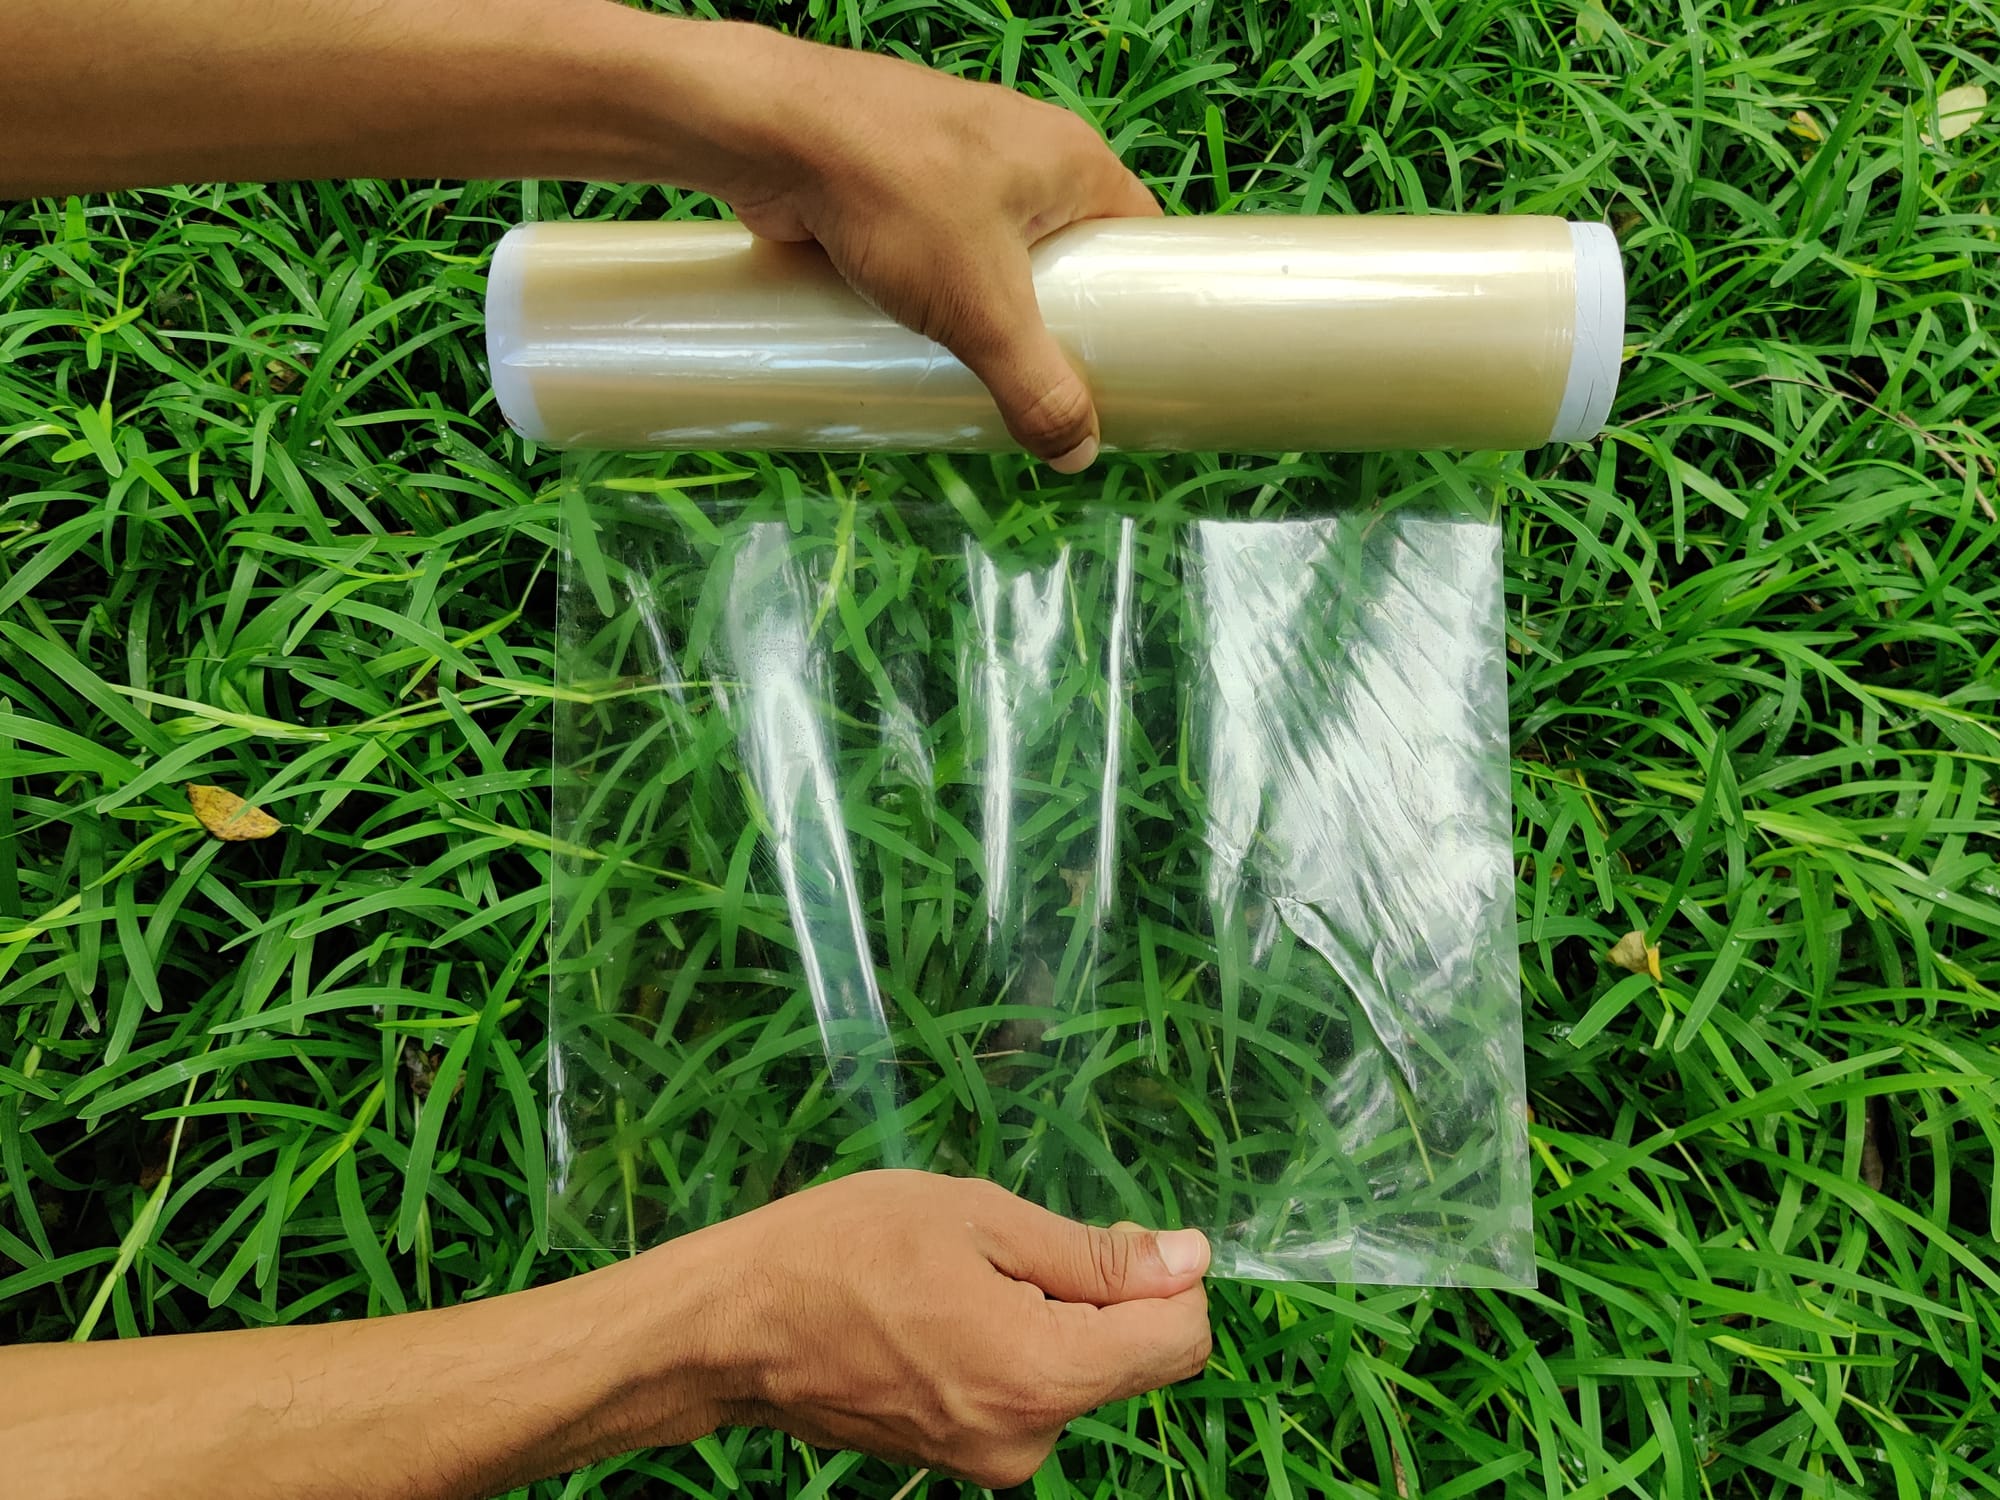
x: 1199, y: 1351
x: 983, y: 1205
x: 954, y: 1421
x: 986, y: 1194
x: 1017, y: 1472
x: 1012, y: 1466
x: 1056, y: 419
x: 1074, y: 132
x: 1111, y: 1257
x: 951, y: 308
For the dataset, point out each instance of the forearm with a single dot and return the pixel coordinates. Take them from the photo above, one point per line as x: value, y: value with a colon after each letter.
x: 103, y: 94
x: 925, y: 191
x: 461, y: 1402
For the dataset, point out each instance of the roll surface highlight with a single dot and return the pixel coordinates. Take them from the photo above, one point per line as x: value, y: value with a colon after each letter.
x: 1228, y: 332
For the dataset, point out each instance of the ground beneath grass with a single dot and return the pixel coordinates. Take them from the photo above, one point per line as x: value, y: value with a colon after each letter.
x: 260, y: 527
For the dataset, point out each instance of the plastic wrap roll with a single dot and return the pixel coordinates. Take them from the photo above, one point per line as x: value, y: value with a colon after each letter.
x: 1195, y: 334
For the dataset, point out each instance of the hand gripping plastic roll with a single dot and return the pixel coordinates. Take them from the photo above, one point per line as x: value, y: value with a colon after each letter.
x: 1248, y: 332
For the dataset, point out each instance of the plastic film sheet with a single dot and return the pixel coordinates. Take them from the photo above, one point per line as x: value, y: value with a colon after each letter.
x: 1147, y: 854
x: 1225, y: 333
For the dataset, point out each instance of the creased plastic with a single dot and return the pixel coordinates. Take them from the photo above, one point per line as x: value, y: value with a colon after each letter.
x: 1149, y: 858
x: 1222, y: 333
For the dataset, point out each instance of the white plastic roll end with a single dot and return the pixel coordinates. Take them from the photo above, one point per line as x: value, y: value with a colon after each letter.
x: 1599, y: 341
x: 506, y: 334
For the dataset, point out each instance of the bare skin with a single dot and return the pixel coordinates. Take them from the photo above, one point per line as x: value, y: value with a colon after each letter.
x: 926, y: 191
x: 930, y: 1320
x: 926, y: 1319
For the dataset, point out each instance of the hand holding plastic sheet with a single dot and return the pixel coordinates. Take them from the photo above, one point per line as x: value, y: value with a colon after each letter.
x: 1195, y: 334
x: 1149, y: 861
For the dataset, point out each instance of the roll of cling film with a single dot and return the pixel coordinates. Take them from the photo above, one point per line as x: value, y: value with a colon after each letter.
x: 1250, y: 332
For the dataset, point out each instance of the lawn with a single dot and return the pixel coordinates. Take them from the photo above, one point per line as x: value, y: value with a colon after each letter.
x: 260, y: 527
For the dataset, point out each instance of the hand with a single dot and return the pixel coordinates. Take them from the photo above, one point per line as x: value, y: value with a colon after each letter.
x: 943, y: 1322
x: 926, y: 192
x: 896, y: 1312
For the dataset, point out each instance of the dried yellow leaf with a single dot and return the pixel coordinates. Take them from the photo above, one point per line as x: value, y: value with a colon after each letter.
x: 1635, y: 955
x: 228, y: 816
x: 1804, y: 126
x: 1958, y: 110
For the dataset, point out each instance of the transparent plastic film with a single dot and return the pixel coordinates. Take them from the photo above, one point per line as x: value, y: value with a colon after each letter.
x: 1197, y: 334
x: 1146, y: 853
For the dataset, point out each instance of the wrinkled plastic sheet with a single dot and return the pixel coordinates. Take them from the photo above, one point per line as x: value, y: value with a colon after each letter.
x: 1149, y: 856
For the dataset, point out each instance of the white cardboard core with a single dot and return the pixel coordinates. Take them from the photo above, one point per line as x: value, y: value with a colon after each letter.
x: 1599, y: 342
x: 504, y: 334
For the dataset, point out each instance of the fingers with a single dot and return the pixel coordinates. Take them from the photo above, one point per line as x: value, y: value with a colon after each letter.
x: 1132, y: 1347
x: 1123, y: 196
x: 934, y: 227
x: 1041, y: 397
x: 1085, y: 177
x: 1044, y: 401
x: 1108, y: 191
x: 1074, y: 1262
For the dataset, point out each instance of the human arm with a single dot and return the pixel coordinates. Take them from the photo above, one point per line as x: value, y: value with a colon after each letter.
x: 925, y: 190
x: 927, y: 1319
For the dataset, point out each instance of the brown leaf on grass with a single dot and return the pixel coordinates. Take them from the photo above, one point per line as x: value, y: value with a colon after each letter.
x: 156, y: 1151
x: 1015, y: 1038
x: 228, y: 816
x: 420, y: 1068
x: 1635, y: 955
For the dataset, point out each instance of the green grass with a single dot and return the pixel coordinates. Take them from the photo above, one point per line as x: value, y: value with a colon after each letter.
x: 259, y: 526
x: 1145, y: 851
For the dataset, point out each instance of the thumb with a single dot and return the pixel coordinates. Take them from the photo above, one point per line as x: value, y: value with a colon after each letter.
x: 1041, y: 397
x: 1074, y: 1262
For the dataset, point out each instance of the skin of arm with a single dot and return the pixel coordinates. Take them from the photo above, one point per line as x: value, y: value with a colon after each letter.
x: 926, y: 1319
x: 926, y: 191
x: 929, y: 1320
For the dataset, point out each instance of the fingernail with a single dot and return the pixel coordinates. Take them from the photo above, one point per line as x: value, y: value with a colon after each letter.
x: 1077, y: 459
x: 1183, y: 1250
